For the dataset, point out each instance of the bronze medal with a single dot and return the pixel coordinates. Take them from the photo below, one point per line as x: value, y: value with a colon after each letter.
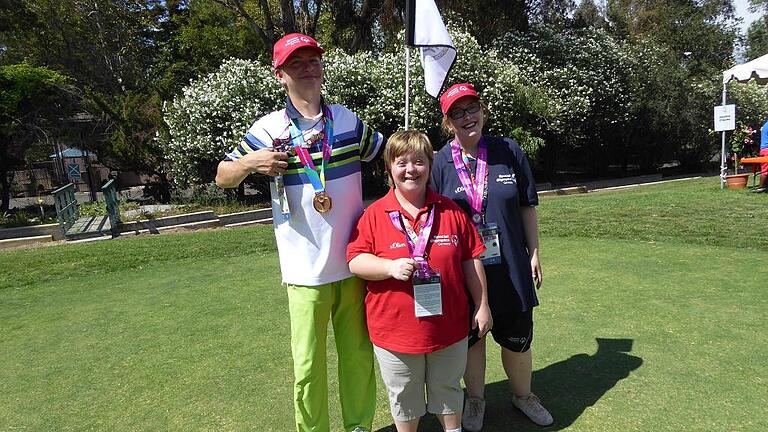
x: 322, y: 202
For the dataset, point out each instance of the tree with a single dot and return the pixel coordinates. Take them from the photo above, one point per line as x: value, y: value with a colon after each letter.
x: 34, y: 103
x: 705, y: 30
x: 126, y: 57
x: 757, y: 40
x: 588, y: 15
x: 102, y: 44
x: 584, y: 72
x: 757, y: 5
x: 264, y: 22
x: 487, y: 20
x: 129, y: 134
x: 554, y: 12
x: 353, y: 23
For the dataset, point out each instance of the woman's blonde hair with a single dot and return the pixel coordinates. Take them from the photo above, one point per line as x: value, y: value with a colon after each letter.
x: 445, y: 125
x: 406, y: 142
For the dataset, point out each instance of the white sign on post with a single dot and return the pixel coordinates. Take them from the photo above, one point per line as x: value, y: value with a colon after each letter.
x: 725, y: 118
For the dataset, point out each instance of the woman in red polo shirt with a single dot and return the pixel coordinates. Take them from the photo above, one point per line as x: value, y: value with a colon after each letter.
x: 418, y: 251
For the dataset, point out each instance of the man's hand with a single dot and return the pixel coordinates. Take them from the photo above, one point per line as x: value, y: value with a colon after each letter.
x: 264, y: 161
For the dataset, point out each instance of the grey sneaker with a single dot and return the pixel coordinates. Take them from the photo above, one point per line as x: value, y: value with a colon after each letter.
x: 531, y: 406
x: 359, y: 429
x: 474, y: 410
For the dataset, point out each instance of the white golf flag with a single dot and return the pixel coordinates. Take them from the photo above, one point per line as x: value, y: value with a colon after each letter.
x: 428, y: 32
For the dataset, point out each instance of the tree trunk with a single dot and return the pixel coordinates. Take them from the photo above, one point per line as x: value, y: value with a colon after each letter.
x: 362, y: 38
x: 268, y: 33
x: 309, y: 20
x: 5, y: 190
x: 288, y: 15
x: 165, y: 188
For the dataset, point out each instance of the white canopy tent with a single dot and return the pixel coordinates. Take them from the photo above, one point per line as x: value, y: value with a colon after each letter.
x: 756, y: 69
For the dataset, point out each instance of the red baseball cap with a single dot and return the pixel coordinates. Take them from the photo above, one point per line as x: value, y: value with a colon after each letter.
x: 288, y: 44
x: 454, y: 93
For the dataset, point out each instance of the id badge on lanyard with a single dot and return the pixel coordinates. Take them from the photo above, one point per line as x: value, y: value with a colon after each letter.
x: 476, y: 188
x: 282, y: 196
x: 426, y: 282
x: 427, y: 294
x: 489, y: 232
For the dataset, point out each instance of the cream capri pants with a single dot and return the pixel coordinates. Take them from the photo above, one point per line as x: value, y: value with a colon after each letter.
x: 406, y: 376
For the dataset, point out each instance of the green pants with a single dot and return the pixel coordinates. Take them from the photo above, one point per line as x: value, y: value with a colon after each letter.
x: 311, y: 307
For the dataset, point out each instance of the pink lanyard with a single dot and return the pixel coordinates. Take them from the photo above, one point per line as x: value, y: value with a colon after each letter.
x: 417, y: 243
x: 474, y: 185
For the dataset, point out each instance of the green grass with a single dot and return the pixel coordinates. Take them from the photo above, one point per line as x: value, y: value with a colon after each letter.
x: 190, y: 331
x: 690, y: 211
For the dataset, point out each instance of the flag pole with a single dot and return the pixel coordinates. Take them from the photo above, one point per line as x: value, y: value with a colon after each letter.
x: 410, y: 21
x: 435, y: 47
x: 407, y: 86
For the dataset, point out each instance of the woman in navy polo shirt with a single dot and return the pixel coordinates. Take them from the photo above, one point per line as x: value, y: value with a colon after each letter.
x: 491, y: 180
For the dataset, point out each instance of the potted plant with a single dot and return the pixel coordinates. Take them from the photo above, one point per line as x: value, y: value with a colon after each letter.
x: 741, y: 139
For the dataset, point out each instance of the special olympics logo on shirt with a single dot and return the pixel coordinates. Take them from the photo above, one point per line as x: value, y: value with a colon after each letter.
x: 506, y: 179
x: 444, y: 240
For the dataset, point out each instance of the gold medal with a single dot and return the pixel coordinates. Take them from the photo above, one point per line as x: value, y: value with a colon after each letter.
x: 322, y: 202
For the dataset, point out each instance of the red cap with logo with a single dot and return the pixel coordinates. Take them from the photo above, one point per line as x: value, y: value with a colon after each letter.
x: 454, y: 93
x: 290, y: 43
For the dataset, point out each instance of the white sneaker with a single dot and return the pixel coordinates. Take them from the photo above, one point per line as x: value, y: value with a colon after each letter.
x: 359, y: 429
x: 531, y: 406
x: 474, y: 410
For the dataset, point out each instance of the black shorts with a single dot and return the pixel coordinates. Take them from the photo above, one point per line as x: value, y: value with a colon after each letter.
x: 512, y: 330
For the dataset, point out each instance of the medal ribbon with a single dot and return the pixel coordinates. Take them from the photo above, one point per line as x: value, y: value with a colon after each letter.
x: 417, y: 243
x: 474, y: 184
x: 297, y: 139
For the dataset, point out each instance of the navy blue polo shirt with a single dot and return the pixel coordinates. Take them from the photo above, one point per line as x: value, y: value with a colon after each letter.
x: 510, y: 186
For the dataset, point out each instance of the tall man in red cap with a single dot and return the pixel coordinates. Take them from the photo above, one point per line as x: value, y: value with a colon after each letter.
x: 313, y: 152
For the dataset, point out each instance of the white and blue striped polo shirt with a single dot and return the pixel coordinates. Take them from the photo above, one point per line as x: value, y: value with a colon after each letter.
x: 312, y: 245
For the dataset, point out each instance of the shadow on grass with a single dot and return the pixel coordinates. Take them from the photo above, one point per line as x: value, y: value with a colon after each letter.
x: 566, y: 388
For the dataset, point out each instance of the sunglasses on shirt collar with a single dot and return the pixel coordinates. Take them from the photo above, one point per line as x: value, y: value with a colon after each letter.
x: 458, y: 113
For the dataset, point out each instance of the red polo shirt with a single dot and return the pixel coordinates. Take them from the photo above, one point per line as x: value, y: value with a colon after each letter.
x: 389, y: 304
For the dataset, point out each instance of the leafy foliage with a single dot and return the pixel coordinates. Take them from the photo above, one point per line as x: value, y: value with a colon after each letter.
x: 742, y: 138
x: 33, y: 102
x: 213, y: 114
x: 757, y: 40
x: 751, y: 102
x: 587, y: 87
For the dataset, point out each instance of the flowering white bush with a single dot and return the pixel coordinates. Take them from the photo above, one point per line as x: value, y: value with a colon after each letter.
x: 577, y: 97
x: 212, y: 115
x: 751, y: 101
